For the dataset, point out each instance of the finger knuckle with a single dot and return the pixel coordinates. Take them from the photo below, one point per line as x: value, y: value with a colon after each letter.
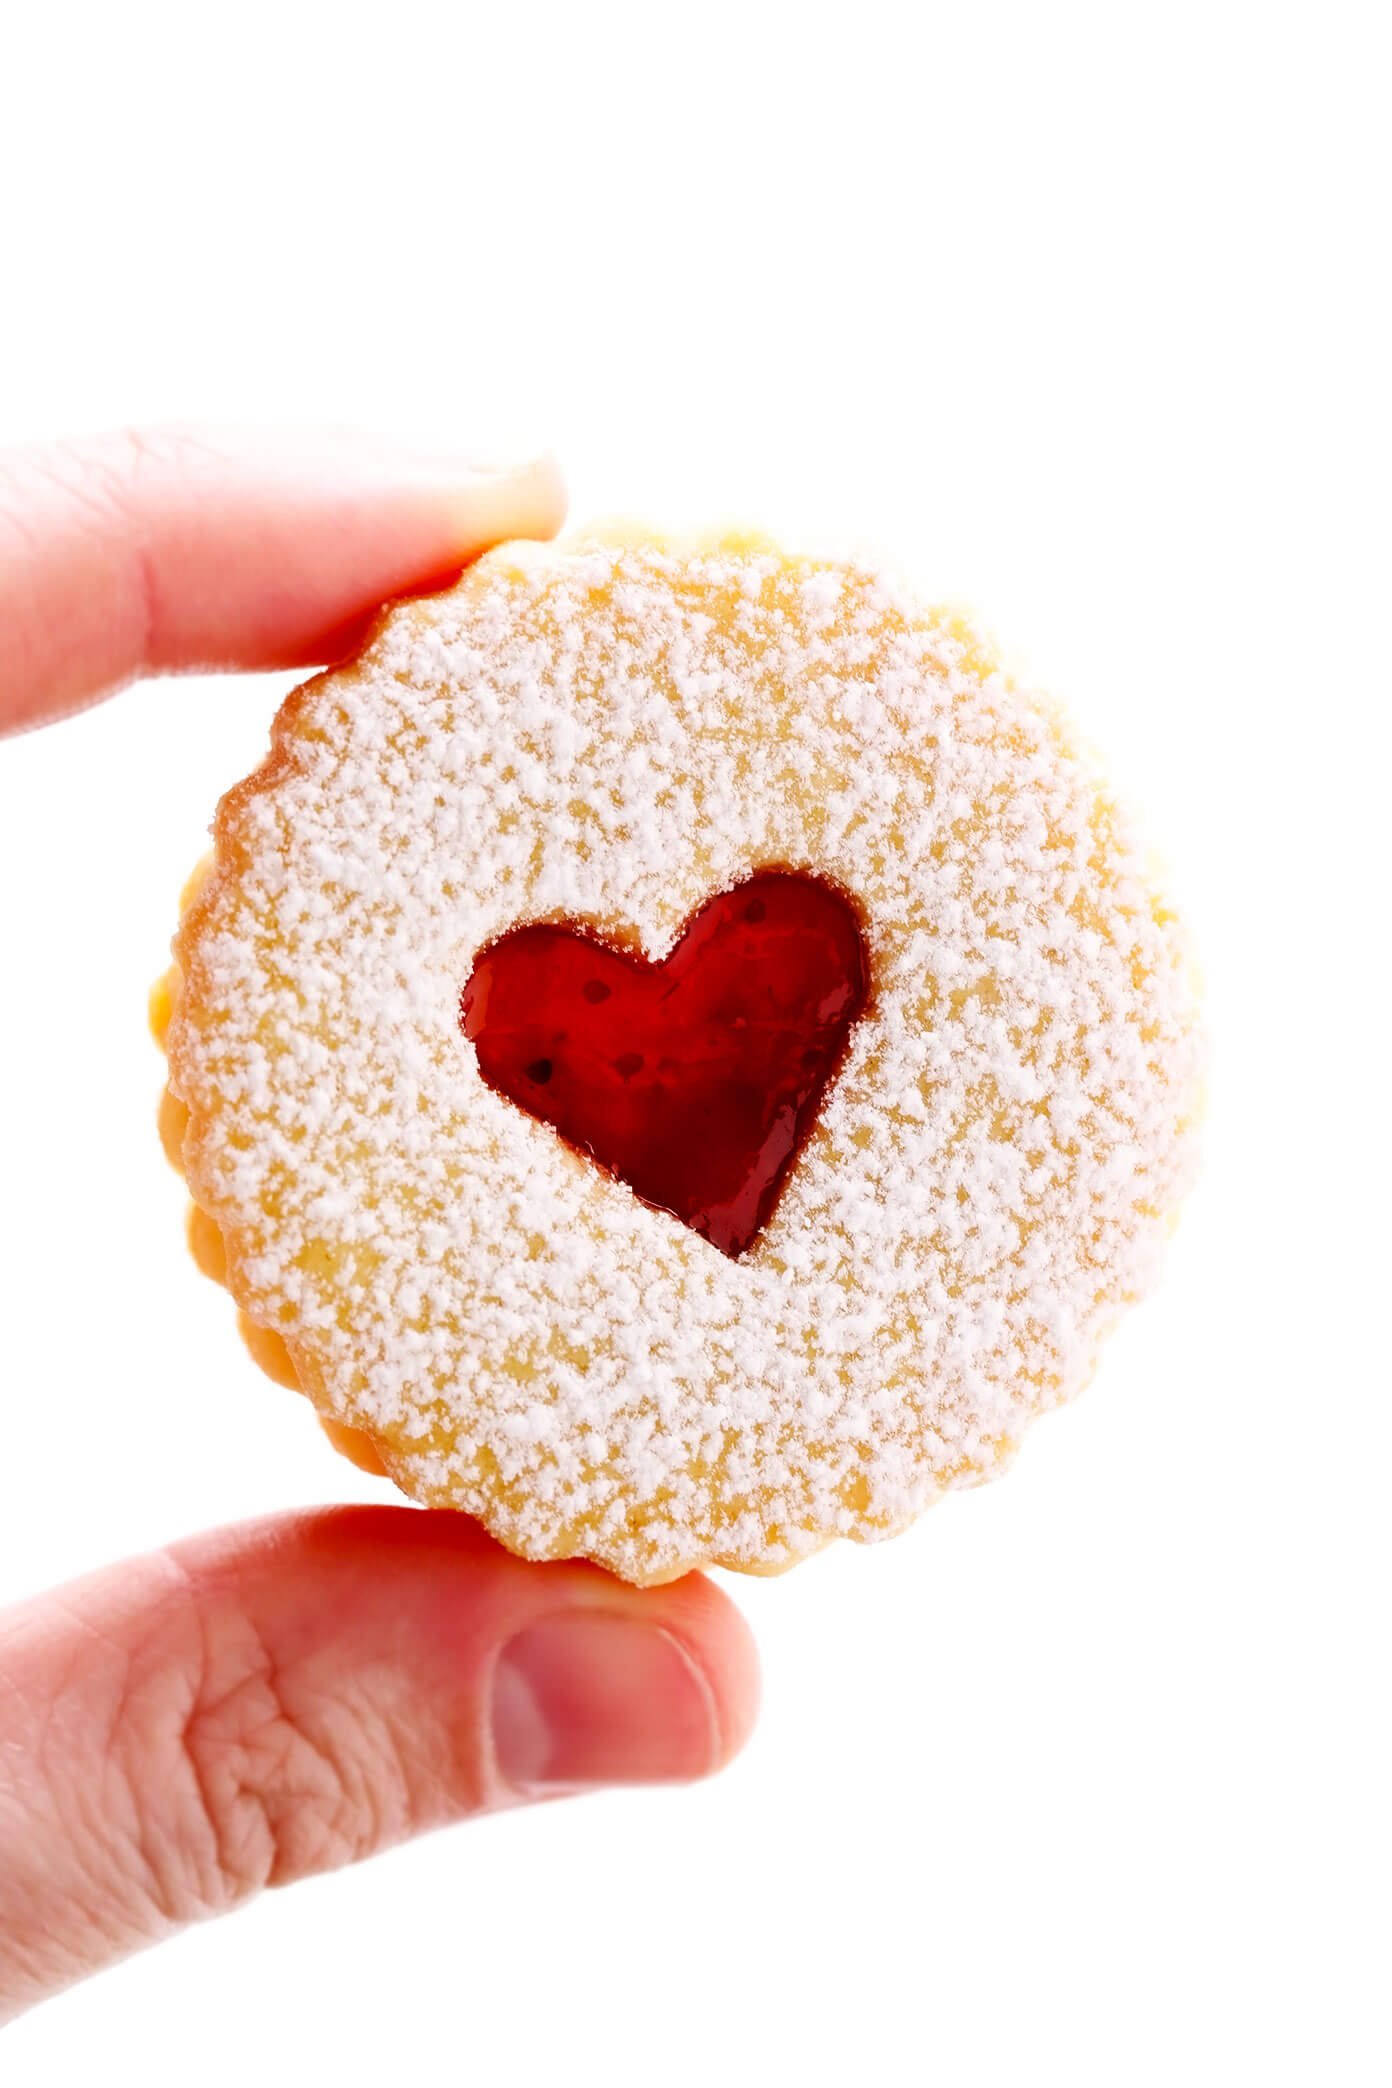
x: 265, y: 1776
x: 274, y: 1800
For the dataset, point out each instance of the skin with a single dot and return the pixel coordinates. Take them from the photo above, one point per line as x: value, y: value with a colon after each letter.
x: 185, y: 1729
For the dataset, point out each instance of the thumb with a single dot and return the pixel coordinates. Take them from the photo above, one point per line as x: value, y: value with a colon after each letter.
x: 249, y: 1708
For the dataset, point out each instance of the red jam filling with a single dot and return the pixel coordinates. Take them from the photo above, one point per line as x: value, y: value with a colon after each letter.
x: 697, y: 1080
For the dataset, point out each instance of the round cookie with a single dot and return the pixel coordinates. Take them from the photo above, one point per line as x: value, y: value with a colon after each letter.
x: 611, y: 737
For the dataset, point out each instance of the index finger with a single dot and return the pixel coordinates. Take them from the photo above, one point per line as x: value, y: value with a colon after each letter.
x: 147, y: 552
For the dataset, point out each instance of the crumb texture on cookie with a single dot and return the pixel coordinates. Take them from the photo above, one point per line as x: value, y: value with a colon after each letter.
x: 609, y: 733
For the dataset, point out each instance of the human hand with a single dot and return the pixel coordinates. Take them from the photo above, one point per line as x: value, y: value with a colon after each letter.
x: 254, y: 1706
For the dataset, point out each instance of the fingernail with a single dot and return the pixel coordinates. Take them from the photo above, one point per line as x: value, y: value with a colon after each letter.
x: 591, y: 1697
x: 522, y: 462
x: 525, y: 463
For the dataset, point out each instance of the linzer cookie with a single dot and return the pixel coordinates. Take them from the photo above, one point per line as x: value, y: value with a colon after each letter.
x: 676, y: 1055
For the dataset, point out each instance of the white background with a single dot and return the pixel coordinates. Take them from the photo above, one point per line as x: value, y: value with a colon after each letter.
x: 1077, y: 311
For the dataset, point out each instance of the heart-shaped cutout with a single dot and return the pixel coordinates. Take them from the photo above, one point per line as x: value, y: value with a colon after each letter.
x: 696, y: 1080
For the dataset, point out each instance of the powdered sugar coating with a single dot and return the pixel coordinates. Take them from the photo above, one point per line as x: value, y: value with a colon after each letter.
x: 612, y: 732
